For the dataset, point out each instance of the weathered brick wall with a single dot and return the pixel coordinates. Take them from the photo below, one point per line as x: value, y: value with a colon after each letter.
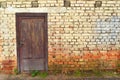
x: 79, y: 36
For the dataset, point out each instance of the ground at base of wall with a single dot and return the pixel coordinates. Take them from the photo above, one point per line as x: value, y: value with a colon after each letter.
x: 76, y: 76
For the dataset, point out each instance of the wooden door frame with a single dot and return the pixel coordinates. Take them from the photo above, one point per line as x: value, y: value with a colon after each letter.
x: 19, y: 15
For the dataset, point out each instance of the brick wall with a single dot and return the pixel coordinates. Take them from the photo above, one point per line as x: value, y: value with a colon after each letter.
x: 81, y: 35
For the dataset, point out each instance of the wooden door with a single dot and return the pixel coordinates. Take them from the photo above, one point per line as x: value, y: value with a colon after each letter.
x: 31, y: 41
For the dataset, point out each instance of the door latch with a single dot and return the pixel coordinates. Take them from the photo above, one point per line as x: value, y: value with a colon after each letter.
x: 21, y: 43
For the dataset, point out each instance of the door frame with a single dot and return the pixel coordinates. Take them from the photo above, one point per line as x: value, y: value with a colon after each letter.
x: 20, y: 15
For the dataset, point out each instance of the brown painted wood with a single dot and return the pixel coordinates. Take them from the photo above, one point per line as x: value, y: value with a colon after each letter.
x: 32, y: 41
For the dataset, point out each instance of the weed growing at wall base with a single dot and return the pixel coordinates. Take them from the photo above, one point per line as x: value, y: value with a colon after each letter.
x: 39, y: 74
x: 16, y: 72
x: 43, y: 74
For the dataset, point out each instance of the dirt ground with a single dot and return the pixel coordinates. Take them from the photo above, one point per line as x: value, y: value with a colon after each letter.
x: 52, y: 77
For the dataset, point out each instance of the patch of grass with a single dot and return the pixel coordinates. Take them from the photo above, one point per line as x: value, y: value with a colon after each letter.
x: 34, y: 73
x: 97, y: 73
x: 38, y: 73
x: 118, y: 65
x: 55, y: 72
x: 16, y: 72
x: 109, y: 73
x: 56, y: 69
x: 77, y: 73
x: 43, y: 74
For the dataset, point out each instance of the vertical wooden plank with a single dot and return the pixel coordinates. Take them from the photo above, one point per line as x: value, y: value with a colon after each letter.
x: 25, y: 38
x: 37, y: 38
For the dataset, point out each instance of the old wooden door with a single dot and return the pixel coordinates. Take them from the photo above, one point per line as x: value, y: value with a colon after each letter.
x: 31, y: 41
